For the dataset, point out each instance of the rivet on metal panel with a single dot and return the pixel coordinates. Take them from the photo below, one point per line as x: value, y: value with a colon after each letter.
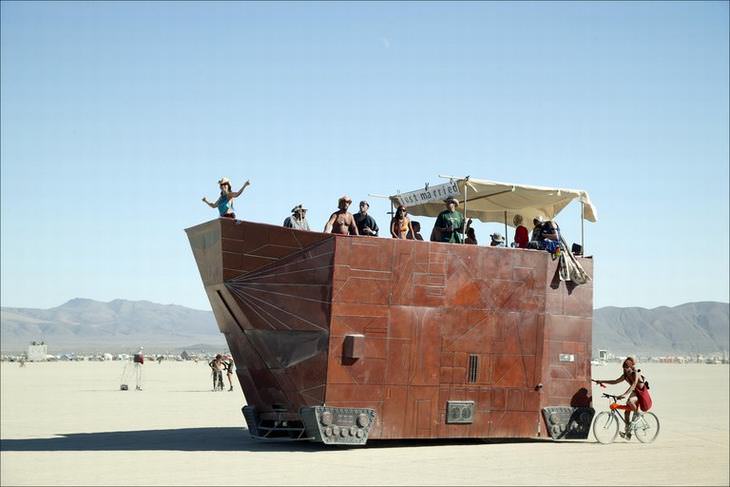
x: 363, y: 420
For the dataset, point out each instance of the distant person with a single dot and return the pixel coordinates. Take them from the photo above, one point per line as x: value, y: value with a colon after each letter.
x: 471, y: 236
x: 400, y: 224
x: 228, y: 364
x: 638, y: 391
x: 497, y: 240
x: 449, y: 226
x: 138, y: 360
x: 342, y: 222
x: 160, y: 358
x: 224, y: 203
x: 298, y: 220
x: 417, y: 229
x: 216, y: 367
x: 522, y: 237
x: 365, y: 223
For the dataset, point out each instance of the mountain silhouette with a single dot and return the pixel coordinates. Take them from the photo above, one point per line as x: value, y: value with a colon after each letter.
x: 85, y: 324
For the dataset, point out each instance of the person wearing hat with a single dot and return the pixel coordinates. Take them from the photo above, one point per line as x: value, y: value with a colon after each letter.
x: 497, y: 240
x: 522, y: 236
x: 224, y: 203
x: 365, y: 223
x: 342, y: 222
x: 298, y: 220
x: 449, y: 226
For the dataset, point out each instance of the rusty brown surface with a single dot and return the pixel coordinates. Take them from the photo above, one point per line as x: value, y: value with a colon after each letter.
x: 423, y: 308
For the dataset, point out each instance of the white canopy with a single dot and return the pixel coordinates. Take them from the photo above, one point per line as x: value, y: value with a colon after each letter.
x: 490, y: 201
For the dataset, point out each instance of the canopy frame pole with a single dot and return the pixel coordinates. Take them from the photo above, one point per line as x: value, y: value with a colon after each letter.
x: 466, y: 190
x: 384, y: 197
x: 582, y: 232
x: 506, y: 239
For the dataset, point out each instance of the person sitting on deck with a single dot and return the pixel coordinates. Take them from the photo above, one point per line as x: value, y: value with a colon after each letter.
x: 298, y: 220
x: 522, y: 237
x: 545, y: 236
x: 224, y: 203
x: 449, y: 226
x: 366, y: 224
x: 416, y: 231
x: 400, y: 224
x: 342, y: 222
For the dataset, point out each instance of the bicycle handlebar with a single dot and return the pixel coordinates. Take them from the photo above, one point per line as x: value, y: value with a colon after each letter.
x: 611, y: 396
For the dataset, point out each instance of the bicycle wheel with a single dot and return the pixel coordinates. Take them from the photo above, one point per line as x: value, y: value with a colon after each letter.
x: 647, y: 428
x: 605, y: 427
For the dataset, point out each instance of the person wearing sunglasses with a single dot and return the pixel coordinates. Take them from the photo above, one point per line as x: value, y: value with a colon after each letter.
x: 400, y: 224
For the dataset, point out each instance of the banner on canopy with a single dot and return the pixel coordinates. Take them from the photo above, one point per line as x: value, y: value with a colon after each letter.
x: 428, y: 194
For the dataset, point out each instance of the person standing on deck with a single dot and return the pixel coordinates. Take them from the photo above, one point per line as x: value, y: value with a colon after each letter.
x: 298, y: 220
x: 449, y: 226
x: 522, y: 236
x: 342, y: 222
x: 400, y: 224
x: 224, y: 203
x: 366, y: 224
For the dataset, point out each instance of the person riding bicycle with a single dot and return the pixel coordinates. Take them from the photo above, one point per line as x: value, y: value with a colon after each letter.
x: 638, y: 391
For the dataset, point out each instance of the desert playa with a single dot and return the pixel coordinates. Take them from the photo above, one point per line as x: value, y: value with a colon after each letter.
x: 69, y: 424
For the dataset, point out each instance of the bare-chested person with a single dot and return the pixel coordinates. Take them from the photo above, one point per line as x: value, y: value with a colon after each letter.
x: 342, y: 221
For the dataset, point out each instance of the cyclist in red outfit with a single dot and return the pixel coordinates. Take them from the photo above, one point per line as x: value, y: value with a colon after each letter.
x: 638, y: 391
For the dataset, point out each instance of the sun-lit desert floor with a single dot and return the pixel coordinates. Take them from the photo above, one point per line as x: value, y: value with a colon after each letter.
x: 68, y: 423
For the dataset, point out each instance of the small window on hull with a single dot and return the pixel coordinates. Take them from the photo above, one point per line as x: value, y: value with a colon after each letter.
x: 473, y: 367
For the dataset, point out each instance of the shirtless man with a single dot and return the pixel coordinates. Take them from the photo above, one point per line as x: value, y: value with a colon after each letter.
x: 342, y: 222
x: 638, y: 391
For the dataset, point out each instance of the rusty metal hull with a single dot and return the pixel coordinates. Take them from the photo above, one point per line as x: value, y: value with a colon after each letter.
x: 415, y: 333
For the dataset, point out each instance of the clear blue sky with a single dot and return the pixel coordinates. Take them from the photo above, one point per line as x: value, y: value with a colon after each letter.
x: 118, y: 117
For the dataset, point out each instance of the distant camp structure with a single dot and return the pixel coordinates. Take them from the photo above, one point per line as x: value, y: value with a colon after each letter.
x: 37, y: 352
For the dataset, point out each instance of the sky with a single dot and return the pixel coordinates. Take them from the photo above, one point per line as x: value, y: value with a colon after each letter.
x: 117, y: 118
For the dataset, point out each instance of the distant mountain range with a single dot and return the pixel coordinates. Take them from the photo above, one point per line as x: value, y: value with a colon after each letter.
x: 120, y: 325
x: 689, y: 328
